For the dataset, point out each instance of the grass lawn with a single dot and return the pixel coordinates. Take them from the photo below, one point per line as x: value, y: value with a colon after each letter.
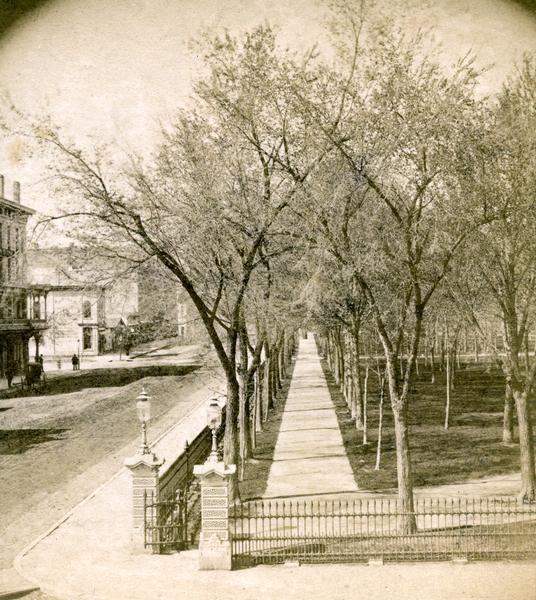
x: 471, y: 448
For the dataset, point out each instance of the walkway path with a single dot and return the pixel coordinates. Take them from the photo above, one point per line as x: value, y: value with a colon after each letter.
x: 309, y: 456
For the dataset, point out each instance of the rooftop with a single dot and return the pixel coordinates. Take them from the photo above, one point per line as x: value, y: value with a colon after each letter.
x: 14, y: 203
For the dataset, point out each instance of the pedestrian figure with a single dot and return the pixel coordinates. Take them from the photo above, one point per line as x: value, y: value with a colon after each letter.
x: 41, y: 361
x: 76, y: 362
x: 10, y: 372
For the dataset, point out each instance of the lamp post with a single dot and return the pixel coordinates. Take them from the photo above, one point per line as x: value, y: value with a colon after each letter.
x: 214, y: 421
x: 144, y: 467
x: 143, y: 406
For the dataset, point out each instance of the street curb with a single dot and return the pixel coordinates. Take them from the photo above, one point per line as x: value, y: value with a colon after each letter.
x: 29, y: 547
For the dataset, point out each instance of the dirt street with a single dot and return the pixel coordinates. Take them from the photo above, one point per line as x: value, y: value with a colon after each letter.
x: 55, y: 450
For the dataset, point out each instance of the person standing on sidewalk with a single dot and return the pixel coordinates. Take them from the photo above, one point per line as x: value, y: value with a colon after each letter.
x: 75, y: 362
x: 11, y: 370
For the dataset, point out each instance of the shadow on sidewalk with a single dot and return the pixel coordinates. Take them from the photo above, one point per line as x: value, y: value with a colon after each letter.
x: 349, y: 433
x: 258, y: 468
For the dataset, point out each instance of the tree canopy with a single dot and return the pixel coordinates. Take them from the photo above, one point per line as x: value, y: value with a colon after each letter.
x: 358, y: 193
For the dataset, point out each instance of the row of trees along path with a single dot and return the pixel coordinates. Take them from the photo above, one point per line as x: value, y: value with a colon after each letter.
x: 309, y: 456
x: 366, y: 188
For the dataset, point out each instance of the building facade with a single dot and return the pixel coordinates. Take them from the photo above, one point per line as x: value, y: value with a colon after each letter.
x: 23, y: 307
x: 84, y: 318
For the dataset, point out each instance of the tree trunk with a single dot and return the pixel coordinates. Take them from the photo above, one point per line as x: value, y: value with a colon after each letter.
x: 365, y: 397
x: 398, y: 390
x: 268, y: 381
x: 349, y: 393
x: 403, y: 469
x: 432, y: 363
x: 339, y: 366
x: 245, y: 436
x: 258, y: 400
x: 453, y: 365
x: 244, y: 409
x: 447, y: 403
x: 278, y: 370
x: 526, y: 447
x: 334, y: 358
x: 380, y: 422
x: 253, y: 407
x: 230, y: 440
x: 508, y: 416
x: 282, y: 357
x: 358, y: 381
x: 442, y: 354
x: 273, y: 374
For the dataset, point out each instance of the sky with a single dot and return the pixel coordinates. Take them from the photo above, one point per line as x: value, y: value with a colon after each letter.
x: 112, y: 71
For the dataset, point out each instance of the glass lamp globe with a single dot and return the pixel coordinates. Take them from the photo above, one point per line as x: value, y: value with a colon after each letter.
x: 214, y: 414
x: 143, y: 406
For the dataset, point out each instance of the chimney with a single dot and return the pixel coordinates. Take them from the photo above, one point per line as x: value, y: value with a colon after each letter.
x: 16, y: 191
x: 1, y: 186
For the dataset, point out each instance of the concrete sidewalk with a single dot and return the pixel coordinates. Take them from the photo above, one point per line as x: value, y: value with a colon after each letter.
x: 88, y: 555
x: 309, y: 456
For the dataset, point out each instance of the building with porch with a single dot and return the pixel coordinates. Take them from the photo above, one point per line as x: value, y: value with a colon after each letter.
x: 84, y: 318
x: 23, y: 307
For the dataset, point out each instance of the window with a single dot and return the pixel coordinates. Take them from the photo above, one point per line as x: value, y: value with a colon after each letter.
x: 36, y: 308
x: 87, y: 338
x: 21, y: 308
x: 86, y: 309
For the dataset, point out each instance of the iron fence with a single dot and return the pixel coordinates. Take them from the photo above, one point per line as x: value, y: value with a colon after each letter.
x: 354, y: 530
x: 179, y: 474
x: 171, y: 525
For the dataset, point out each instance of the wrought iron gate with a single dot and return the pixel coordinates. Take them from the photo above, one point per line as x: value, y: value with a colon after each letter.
x: 354, y: 530
x: 172, y: 519
x: 172, y: 524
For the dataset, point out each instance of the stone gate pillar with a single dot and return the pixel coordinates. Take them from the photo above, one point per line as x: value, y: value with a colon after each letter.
x: 144, y: 469
x: 215, y: 537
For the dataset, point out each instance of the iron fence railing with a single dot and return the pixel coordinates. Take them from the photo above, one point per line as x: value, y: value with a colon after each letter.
x: 353, y: 530
x: 171, y: 525
x: 179, y: 474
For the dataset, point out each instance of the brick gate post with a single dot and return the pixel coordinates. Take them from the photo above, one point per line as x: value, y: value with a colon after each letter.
x: 215, y: 537
x: 144, y: 469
